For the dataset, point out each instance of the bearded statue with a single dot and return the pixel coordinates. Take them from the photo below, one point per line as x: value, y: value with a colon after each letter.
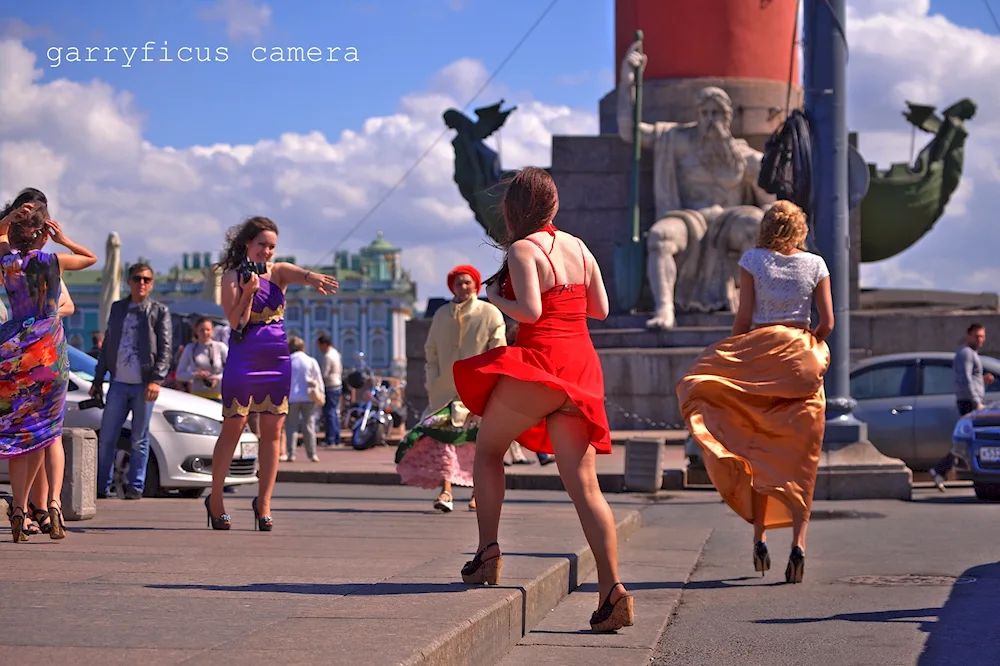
x: 708, y: 203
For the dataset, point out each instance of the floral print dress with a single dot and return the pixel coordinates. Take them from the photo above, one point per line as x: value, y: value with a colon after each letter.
x: 34, y: 366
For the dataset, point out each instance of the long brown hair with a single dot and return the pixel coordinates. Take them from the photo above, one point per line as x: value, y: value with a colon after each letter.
x: 530, y: 201
x: 239, y: 237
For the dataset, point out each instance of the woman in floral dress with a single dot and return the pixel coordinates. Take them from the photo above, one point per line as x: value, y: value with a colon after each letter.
x: 34, y: 367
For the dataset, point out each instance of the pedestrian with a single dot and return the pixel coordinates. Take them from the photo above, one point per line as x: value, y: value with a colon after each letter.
x: 96, y: 340
x: 546, y: 391
x: 137, y: 353
x: 754, y: 402
x: 441, y: 450
x: 970, y: 389
x: 306, y: 390
x: 202, y: 362
x: 258, y: 374
x: 35, y: 367
x: 332, y: 367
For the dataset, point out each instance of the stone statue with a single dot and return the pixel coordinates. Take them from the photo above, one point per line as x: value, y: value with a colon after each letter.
x: 708, y: 203
x: 477, y: 166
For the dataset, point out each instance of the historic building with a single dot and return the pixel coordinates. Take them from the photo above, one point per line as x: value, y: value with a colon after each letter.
x: 368, y: 314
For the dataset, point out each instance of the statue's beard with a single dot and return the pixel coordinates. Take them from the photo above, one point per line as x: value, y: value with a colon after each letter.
x: 718, y: 151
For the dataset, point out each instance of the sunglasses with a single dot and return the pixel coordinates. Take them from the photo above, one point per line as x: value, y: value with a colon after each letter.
x: 142, y: 278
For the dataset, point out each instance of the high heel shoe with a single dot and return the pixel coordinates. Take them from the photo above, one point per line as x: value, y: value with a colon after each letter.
x: 57, y: 529
x: 17, y: 526
x: 612, y: 617
x: 761, y: 558
x: 223, y: 522
x: 263, y: 523
x: 796, y: 566
x: 478, y: 571
x: 41, y: 518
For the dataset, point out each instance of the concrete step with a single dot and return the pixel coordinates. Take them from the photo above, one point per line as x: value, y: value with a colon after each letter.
x: 644, y: 338
x: 654, y: 565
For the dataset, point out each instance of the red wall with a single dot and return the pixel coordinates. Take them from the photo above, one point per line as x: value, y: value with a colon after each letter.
x: 709, y: 38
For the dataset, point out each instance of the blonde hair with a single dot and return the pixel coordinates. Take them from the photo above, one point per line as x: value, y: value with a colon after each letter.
x: 783, y: 228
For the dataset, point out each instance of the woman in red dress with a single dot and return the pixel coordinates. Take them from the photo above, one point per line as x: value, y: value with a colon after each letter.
x: 547, y: 390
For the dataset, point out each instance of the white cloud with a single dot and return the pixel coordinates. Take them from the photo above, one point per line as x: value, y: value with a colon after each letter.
x: 82, y: 144
x: 899, y: 52
x: 243, y: 18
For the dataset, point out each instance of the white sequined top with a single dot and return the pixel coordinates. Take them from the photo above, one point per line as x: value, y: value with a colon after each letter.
x: 783, y: 284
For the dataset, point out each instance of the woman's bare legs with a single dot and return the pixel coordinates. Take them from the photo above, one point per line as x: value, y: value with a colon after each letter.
x: 222, y: 456
x: 22, y: 471
x: 576, y: 461
x: 55, y: 469
x: 759, y: 513
x: 271, y: 427
x: 799, y: 525
x: 514, y: 407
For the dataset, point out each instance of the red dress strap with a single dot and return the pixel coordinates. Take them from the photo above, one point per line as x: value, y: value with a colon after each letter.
x: 551, y: 265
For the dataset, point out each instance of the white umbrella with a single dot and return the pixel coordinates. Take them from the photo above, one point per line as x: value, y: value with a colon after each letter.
x: 111, y: 279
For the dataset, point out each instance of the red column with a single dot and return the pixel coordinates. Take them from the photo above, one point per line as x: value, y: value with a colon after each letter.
x: 741, y: 39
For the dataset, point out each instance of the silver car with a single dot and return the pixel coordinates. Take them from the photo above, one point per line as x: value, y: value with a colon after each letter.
x: 908, y: 402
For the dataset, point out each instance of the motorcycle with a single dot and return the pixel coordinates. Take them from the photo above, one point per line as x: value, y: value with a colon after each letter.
x: 373, y: 417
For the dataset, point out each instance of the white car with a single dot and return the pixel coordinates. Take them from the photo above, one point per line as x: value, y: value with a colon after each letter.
x: 182, y: 434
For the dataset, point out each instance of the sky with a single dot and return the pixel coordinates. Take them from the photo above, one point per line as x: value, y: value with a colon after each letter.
x: 170, y: 154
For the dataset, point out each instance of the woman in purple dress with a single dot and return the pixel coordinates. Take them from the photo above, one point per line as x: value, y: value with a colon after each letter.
x: 34, y: 368
x: 258, y: 373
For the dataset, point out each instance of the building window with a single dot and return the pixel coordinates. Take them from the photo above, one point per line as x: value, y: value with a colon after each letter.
x: 322, y: 314
x: 350, y: 310
x: 380, y: 352
x: 76, y: 320
x: 293, y: 313
x: 349, y: 350
x: 380, y: 313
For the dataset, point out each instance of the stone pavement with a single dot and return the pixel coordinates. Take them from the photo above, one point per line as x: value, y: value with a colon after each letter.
x: 369, y: 575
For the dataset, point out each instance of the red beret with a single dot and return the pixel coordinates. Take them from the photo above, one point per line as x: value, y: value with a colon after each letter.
x: 467, y: 270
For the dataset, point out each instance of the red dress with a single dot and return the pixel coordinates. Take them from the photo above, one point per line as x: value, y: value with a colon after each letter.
x: 555, y: 351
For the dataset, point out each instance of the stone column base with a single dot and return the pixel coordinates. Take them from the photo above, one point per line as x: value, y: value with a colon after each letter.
x: 79, y: 493
x: 851, y: 468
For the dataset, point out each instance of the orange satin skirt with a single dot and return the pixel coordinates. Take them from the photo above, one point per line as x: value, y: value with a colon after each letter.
x: 756, y: 406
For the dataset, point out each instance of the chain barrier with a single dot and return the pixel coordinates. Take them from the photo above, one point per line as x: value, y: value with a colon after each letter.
x: 637, y: 418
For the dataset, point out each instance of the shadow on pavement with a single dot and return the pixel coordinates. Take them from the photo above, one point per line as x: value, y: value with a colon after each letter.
x: 359, y: 589
x: 963, y: 631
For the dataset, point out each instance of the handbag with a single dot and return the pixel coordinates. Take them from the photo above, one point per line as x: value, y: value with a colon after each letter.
x: 317, y: 396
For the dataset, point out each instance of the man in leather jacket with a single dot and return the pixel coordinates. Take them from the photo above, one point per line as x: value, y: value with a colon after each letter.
x: 137, y: 352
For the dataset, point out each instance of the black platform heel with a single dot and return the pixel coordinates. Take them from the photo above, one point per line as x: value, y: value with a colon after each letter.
x: 796, y: 566
x: 262, y: 523
x: 223, y: 522
x: 478, y: 571
x: 761, y: 558
x: 612, y: 617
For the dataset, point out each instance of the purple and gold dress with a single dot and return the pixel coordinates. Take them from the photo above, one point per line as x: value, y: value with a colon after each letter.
x: 258, y: 373
x: 34, y: 366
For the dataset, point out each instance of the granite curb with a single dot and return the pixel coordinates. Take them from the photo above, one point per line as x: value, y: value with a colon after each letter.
x: 489, y: 635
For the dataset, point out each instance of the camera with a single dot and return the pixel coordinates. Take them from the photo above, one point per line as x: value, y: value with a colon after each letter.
x: 248, y: 268
x: 97, y: 402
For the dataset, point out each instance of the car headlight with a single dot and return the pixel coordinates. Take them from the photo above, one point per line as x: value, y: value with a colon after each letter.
x: 963, y: 429
x: 193, y: 423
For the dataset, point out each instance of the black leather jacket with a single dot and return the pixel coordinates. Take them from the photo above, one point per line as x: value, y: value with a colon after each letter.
x: 154, y: 340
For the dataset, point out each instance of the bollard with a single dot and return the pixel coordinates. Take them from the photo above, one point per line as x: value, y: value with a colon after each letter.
x: 79, y: 493
x: 644, y: 464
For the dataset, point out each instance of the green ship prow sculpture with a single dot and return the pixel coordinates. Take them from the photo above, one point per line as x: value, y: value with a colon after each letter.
x: 904, y: 202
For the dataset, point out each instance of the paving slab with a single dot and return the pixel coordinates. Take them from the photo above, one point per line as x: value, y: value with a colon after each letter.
x: 350, y: 574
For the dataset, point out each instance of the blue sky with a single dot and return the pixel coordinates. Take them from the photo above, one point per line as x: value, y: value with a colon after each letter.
x: 401, y: 44
x: 316, y: 144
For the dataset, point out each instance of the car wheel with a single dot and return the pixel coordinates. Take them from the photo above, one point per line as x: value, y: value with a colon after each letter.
x: 987, y: 492
x: 153, y: 488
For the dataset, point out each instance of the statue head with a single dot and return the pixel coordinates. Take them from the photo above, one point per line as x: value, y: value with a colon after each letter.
x: 715, y: 118
x: 457, y: 120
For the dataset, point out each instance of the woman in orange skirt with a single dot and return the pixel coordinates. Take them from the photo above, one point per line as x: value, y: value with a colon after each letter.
x: 754, y: 402
x: 547, y: 390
